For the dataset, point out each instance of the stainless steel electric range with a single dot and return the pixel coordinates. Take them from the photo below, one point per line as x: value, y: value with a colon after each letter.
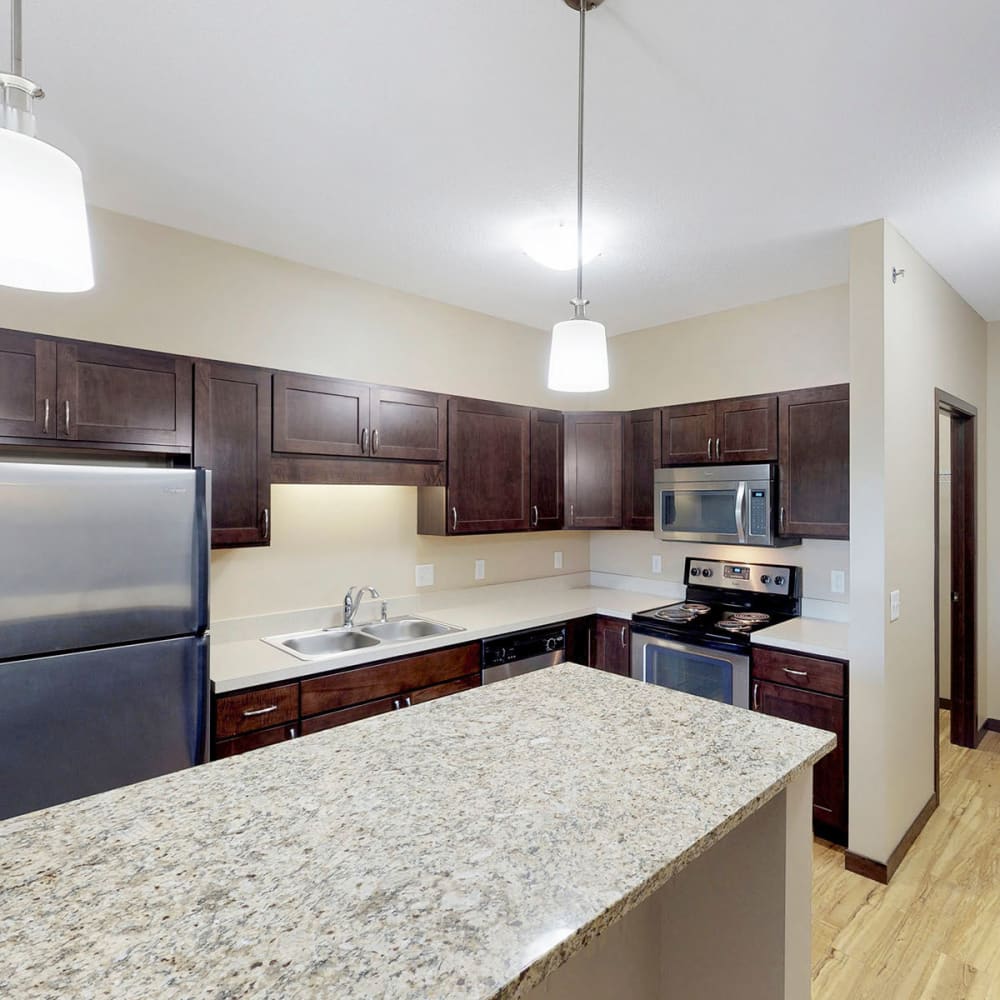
x: 701, y: 645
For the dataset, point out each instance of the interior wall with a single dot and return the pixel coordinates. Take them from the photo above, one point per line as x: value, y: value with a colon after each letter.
x: 788, y: 343
x: 944, y: 554
x: 990, y: 475
x: 907, y: 339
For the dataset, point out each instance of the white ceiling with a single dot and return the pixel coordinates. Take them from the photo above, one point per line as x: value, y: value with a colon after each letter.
x: 730, y: 144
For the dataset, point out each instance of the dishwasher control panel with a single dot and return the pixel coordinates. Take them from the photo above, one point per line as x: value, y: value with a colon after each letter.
x: 524, y: 645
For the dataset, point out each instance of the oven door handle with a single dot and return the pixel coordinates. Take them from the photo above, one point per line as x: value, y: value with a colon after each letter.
x: 741, y: 501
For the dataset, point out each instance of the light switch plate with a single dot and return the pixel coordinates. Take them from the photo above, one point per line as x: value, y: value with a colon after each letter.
x: 425, y: 575
x: 838, y: 581
x: 657, y: 564
x: 480, y: 569
x: 894, y: 606
x: 557, y: 560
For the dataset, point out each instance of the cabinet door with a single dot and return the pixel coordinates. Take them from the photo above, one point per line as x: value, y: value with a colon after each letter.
x: 321, y: 416
x: 643, y: 433
x: 233, y: 438
x: 746, y: 430
x: 580, y: 640
x: 814, y: 474
x: 27, y: 385
x: 489, y: 471
x: 689, y: 434
x: 408, y: 425
x: 612, y: 646
x: 116, y: 395
x: 593, y: 470
x: 546, y: 470
x: 821, y: 711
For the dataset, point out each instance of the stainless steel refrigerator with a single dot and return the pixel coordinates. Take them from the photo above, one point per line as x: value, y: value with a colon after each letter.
x: 103, y: 628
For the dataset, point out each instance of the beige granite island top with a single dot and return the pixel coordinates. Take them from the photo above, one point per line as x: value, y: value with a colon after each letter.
x: 463, y: 848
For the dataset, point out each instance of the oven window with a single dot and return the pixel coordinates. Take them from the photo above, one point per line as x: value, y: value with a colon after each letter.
x: 688, y: 670
x: 707, y: 511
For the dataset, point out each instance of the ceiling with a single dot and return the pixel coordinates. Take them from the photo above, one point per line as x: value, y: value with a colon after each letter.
x: 730, y: 145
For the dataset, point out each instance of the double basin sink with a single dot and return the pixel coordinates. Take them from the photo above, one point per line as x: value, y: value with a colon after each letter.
x: 322, y: 643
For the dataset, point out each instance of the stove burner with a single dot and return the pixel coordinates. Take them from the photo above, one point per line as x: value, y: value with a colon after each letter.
x: 676, y: 614
x: 698, y: 609
x: 752, y: 617
x: 734, y: 625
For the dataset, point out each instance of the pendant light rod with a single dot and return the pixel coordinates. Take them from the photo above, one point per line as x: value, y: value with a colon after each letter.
x: 579, y: 304
x: 16, y: 56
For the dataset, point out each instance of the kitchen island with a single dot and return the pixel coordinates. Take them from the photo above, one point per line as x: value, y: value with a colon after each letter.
x: 563, y: 834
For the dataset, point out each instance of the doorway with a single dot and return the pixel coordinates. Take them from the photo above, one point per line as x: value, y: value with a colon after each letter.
x: 955, y: 566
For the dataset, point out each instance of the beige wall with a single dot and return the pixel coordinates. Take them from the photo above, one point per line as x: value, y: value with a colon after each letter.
x: 168, y: 290
x: 906, y: 340
x: 788, y: 343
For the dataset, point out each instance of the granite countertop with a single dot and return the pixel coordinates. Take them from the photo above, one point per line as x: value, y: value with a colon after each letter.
x: 249, y: 662
x: 807, y: 635
x: 463, y: 848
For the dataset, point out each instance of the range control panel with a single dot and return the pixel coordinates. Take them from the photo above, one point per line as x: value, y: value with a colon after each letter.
x: 782, y: 581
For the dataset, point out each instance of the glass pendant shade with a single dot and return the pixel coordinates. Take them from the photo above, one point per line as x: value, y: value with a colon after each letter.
x: 46, y: 240
x: 578, y: 361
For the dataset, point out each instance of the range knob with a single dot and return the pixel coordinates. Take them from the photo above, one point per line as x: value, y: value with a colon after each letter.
x: 551, y: 644
x: 706, y: 572
x: 695, y: 571
x: 779, y: 581
x: 765, y: 579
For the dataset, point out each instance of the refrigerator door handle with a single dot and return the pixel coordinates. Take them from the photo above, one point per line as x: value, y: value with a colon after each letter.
x: 203, y: 529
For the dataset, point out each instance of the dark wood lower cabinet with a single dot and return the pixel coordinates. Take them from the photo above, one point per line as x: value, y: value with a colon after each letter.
x: 579, y: 640
x: 795, y: 701
x: 254, y: 741
x: 612, y: 646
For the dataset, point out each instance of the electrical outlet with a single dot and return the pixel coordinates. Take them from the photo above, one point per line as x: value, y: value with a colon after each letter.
x: 557, y: 560
x: 425, y: 575
x: 480, y: 569
x: 894, y: 606
x: 657, y: 564
x: 838, y: 581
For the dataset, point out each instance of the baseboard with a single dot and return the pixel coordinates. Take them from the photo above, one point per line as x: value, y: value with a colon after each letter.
x: 944, y: 704
x: 883, y: 873
x: 989, y: 726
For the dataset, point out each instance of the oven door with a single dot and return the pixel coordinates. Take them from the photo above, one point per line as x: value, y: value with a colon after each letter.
x: 702, y: 512
x: 720, y: 674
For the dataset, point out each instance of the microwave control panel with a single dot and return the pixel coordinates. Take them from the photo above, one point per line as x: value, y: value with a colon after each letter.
x: 758, y: 511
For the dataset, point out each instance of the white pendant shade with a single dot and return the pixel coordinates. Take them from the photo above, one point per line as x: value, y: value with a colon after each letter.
x: 578, y: 361
x: 43, y: 217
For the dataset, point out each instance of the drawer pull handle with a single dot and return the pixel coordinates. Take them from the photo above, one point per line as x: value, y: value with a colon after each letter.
x: 816, y: 805
x: 756, y: 697
x: 796, y: 673
x: 409, y: 704
x: 292, y: 734
x: 250, y: 713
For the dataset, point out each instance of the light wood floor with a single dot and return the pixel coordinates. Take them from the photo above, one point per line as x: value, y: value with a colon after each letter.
x: 934, y: 933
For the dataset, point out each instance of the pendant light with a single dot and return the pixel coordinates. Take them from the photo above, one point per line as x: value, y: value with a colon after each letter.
x: 578, y: 360
x: 46, y: 242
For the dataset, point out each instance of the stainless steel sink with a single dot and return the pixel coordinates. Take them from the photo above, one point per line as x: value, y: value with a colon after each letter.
x: 324, y: 643
x: 404, y: 628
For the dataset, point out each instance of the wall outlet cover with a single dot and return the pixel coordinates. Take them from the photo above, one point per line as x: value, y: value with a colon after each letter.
x: 557, y: 560
x: 480, y: 569
x: 657, y: 564
x: 838, y: 581
x: 425, y: 575
x: 894, y: 606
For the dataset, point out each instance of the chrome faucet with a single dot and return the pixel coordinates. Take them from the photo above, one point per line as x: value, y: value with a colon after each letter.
x: 352, y: 601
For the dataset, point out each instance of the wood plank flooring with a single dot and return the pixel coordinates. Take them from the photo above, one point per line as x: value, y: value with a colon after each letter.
x: 934, y: 933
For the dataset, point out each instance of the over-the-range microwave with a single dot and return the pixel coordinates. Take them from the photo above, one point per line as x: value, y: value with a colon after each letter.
x: 722, y: 504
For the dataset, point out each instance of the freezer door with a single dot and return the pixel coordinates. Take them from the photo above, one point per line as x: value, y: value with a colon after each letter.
x: 82, y: 723
x: 98, y: 556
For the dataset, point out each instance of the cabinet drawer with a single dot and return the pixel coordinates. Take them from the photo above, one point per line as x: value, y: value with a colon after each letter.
x: 443, y: 690
x: 386, y: 680
x: 795, y: 670
x: 249, y: 711
x: 253, y: 741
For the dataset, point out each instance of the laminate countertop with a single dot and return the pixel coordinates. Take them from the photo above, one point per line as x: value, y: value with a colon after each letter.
x: 463, y: 848
x: 807, y: 635
x: 249, y: 662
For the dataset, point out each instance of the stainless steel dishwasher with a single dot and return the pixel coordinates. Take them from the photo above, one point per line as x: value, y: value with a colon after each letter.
x: 521, y: 652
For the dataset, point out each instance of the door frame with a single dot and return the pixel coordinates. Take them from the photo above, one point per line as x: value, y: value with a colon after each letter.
x: 964, y: 668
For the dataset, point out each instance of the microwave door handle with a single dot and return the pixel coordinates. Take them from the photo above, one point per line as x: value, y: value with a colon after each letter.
x: 741, y: 496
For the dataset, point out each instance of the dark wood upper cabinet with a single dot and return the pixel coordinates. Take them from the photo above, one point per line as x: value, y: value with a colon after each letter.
x: 28, y: 400
x: 232, y: 437
x: 489, y: 474
x: 593, y: 470
x: 321, y: 416
x: 409, y: 425
x: 689, y: 434
x: 814, y: 471
x: 641, y: 457
x: 611, y: 646
x: 546, y: 470
x: 746, y: 430
x: 117, y: 395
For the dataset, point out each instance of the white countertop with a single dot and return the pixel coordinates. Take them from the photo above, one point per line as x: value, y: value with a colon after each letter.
x: 250, y: 662
x: 807, y: 635
x: 461, y: 850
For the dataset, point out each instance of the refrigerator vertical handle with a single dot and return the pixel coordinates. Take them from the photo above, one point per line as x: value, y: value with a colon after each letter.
x: 204, y: 728
x: 202, y: 543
